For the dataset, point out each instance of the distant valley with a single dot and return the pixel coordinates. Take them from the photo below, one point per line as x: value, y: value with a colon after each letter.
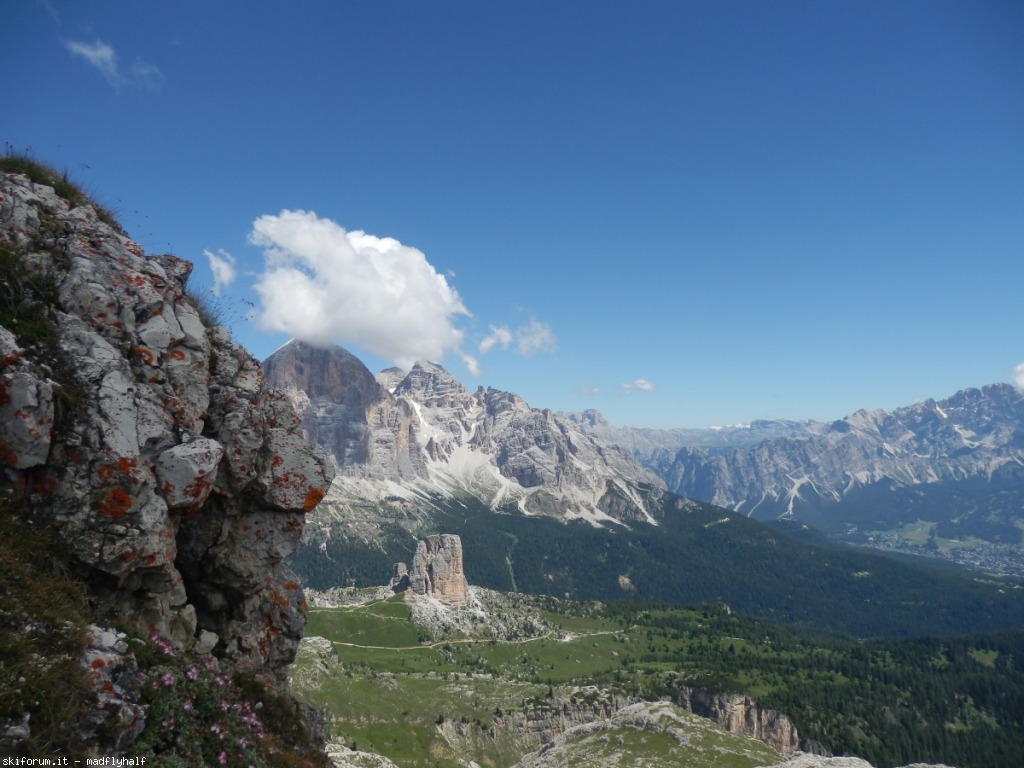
x: 515, y: 680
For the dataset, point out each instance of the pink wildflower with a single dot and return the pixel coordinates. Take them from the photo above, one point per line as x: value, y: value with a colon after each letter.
x: 168, y: 679
x: 192, y: 673
x: 163, y: 645
x: 222, y: 758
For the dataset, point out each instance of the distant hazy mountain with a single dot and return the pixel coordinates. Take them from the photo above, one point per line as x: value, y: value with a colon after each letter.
x: 769, y: 468
x: 955, y: 466
x: 651, y: 443
x: 409, y: 438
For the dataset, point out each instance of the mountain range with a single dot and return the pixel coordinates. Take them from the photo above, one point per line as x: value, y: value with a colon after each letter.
x: 545, y: 504
x: 937, y: 477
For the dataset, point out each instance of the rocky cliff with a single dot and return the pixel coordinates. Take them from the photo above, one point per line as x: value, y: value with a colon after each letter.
x: 738, y: 713
x: 147, y: 441
x: 421, y: 434
x: 734, y: 713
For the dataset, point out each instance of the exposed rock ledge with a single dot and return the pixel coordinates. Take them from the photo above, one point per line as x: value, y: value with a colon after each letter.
x: 150, y: 442
x: 738, y: 713
x: 735, y: 713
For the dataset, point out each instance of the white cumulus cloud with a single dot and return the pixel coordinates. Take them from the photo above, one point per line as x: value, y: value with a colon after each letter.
x: 529, y: 339
x: 103, y: 57
x: 323, y: 284
x: 637, y: 385
x: 222, y: 265
x: 1018, y: 375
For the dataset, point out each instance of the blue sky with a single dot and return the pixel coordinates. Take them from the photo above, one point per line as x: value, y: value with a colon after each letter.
x: 678, y: 213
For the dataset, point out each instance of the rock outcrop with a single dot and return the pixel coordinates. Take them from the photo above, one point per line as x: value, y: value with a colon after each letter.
x: 663, y: 734
x: 436, y: 570
x: 545, y: 719
x: 148, y: 441
x: 738, y: 713
x: 734, y: 713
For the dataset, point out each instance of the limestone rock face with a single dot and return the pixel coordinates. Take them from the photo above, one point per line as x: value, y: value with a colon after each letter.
x: 542, y: 723
x: 738, y: 713
x: 436, y: 570
x: 334, y: 392
x: 149, y: 441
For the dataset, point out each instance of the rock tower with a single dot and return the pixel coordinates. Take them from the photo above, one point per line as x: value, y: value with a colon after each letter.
x: 436, y: 570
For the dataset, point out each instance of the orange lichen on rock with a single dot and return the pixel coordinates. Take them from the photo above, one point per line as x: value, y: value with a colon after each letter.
x: 313, y: 498
x: 115, y: 503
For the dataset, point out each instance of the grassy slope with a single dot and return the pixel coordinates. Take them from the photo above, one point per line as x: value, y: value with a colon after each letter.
x: 956, y: 700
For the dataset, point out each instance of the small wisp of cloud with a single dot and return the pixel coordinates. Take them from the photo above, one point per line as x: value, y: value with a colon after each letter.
x: 222, y: 265
x: 637, y: 385
x: 529, y: 339
x: 103, y: 57
x: 1018, y: 376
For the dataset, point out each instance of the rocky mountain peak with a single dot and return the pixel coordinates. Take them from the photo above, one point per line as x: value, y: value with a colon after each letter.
x: 971, y: 434
x: 333, y: 391
x: 389, y: 378
x: 432, y: 386
x: 331, y: 373
x: 590, y: 418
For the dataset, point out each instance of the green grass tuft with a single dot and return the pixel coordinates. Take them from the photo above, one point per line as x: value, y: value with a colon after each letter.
x: 43, y: 621
x: 40, y: 173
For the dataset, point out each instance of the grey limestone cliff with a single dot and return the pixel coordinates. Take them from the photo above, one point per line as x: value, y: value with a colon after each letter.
x: 147, y: 441
x: 738, y: 713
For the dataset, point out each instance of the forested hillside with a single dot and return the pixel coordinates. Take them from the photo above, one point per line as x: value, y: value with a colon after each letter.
x: 697, y: 553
